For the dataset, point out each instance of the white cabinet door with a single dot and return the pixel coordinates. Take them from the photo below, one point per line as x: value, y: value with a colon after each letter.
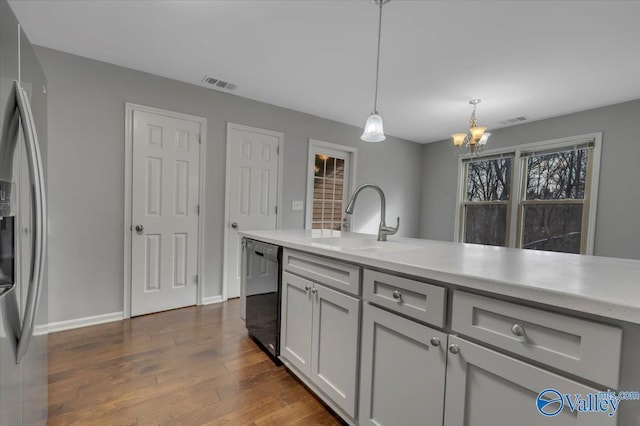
x: 402, y: 372
x: 297, y: 315
x: 485, y: 387
x: 334, y: 353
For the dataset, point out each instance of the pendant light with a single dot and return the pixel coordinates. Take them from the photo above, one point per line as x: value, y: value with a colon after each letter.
x: 373, y: 130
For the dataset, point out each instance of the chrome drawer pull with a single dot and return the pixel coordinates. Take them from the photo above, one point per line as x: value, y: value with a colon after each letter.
x: 307, y: 288
x: 435, y: 341
x: 517, y: 330
x: 454, y: 349
x: 397, y: 295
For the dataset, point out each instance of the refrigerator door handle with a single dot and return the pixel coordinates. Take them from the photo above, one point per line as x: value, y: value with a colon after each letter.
x: 40, y: 218
x: 6, y: 288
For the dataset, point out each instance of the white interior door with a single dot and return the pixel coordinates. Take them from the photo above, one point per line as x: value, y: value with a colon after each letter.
x: 165, y: 183
x: 252, y: 191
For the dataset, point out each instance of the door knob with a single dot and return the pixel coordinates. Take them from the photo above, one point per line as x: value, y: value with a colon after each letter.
x: 234, y: 225
x: 139, y: 228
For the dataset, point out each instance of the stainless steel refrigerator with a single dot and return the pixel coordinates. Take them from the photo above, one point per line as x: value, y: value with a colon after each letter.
x: 23, y: 228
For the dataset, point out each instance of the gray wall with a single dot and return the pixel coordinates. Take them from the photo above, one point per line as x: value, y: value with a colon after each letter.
x: 617, y: 229
x: 86, y: 168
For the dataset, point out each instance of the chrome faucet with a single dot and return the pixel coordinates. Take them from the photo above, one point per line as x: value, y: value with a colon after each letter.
x: 383, y: 229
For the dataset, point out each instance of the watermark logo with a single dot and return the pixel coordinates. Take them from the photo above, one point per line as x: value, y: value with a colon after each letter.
x: 550, y: 402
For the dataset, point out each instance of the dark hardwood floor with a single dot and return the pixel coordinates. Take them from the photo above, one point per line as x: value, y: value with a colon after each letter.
x: 191, y: 366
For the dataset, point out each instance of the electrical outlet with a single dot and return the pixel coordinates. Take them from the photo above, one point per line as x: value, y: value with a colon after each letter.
x: 297, y: 205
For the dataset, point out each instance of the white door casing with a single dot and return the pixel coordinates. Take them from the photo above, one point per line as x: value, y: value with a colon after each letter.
x: 165, y: 201
x: 346, y: 153
x: 252, y: 197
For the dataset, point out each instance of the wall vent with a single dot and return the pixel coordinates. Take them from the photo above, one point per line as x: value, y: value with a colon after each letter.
x: 515, y: 120
x: 219, y: 84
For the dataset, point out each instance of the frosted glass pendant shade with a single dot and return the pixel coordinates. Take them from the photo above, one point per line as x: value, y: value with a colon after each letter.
x: 373, y: 131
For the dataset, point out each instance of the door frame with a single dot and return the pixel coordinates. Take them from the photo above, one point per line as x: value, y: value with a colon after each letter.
x: 318, y: 144
x: 128, y: 193
x: 227, y: 190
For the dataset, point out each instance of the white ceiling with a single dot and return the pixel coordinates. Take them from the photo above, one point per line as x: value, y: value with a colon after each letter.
x: 535, y: 58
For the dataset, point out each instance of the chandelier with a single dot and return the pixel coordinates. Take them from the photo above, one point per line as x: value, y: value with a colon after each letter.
x: 473, y: 142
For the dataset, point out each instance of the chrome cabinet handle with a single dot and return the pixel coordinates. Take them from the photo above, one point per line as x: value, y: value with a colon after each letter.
x: 234, y: 225
x: 314, y: 290
x: 307, y: 288
x: 517, y: 330
x: 139, y: 228
x: 435, y: 341
x: 40, y: 218
x: 454, y: 349
x: 397, y: 295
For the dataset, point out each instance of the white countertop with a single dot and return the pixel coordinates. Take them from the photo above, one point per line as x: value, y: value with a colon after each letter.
x: 608, y: 287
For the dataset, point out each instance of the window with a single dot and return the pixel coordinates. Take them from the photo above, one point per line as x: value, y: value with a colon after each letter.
x: 328, y: 185
x: 554, y: 186
x: 553, y: 209
x: 487, y: 201
x: 328, y: 192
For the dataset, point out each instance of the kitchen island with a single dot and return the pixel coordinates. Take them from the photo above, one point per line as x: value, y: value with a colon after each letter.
x: 392, y: 322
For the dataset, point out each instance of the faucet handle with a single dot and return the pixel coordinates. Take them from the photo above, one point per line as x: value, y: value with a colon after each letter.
x: 390, y: 230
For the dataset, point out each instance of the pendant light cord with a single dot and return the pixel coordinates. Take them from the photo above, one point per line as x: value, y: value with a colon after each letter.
x: 375, y: 99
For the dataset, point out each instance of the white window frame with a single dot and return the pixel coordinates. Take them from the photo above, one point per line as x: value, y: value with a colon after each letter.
x: 516, y: 184
x: 463, y: 202
x: 317, y: 147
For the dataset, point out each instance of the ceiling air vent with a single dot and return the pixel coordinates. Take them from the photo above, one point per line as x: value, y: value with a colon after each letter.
x: 218, y: 84
x: 515, y: 120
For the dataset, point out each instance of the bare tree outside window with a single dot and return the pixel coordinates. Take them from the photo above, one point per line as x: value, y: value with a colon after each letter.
x: 544, y: 200
x: 553, y: 203
x: 487, y: 201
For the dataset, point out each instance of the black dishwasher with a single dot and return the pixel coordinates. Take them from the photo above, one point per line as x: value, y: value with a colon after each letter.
x: 263, y: 283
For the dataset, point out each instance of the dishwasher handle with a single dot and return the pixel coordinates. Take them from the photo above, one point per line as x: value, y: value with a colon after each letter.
x: 265, y: 250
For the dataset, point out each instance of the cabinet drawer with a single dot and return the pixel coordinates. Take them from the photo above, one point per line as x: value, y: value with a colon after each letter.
x: 341, y: 276
x: 422, y: 301
x: 585, y: 348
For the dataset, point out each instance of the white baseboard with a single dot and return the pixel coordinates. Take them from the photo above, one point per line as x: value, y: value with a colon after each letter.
x: 78, y: 322
x: 212, y: 299
x: 98, y: 319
